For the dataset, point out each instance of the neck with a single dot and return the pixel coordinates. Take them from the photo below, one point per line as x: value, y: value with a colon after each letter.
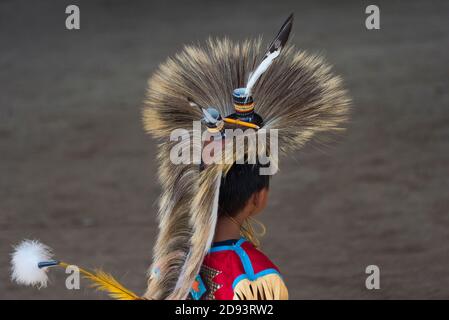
x: 227, y: 228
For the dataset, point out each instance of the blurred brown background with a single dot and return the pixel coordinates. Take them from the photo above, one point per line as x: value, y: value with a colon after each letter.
x: 78, y: 172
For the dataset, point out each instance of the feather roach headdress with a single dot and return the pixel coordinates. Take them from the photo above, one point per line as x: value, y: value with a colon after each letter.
x: 227, y: 84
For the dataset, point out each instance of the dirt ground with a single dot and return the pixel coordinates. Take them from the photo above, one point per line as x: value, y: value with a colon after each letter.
x: 78, y: 172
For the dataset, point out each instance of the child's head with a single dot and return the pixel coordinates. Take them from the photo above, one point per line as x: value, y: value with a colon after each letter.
x: 243, y: 191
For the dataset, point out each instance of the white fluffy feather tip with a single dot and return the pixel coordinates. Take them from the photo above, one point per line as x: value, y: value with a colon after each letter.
x: 25, y: 259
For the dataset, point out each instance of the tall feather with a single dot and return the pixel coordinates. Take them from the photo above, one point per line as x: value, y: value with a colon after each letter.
x: 274, y: 49
x: 263, y: 66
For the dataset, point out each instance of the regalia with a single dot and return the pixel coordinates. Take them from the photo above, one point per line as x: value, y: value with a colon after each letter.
x: 223, y: 84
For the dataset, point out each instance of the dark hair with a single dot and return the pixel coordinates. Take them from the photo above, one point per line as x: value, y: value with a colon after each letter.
x: 238, y: 185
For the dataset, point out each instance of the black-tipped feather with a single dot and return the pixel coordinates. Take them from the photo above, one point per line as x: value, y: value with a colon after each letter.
x: 282, y: 37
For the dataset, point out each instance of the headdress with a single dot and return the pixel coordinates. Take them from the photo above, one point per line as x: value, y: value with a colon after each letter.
x: 226, y: 84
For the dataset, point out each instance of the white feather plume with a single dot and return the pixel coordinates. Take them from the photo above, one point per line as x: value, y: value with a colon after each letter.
x: 263, y: 66
x: 25, y: 259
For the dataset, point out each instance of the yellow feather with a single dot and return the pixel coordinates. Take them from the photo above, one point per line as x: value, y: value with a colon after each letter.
x: 103, y: 281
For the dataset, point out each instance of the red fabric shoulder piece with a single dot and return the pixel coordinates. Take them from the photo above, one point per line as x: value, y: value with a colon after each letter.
x: 227, y: 265
x: 259, y: 260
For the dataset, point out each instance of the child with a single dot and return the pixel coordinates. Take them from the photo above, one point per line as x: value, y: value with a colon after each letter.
x: 233, y: 267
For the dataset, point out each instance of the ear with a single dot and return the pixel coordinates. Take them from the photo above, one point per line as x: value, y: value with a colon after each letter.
x: 259, y: 200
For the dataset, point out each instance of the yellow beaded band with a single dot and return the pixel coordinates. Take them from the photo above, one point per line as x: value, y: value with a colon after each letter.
x: 218, y: 127
x: 244, y: 107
